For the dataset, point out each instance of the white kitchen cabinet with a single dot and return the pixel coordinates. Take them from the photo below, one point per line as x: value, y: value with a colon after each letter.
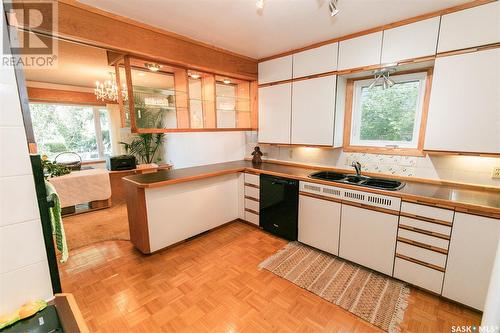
x: 464, y: 109
x: 313, y: 111
x: 471, y: 256
x: 275, y: 107
x: 470, y: 27
x: 368, y: 237
x: 274, y: 70
x: 360, y: 51
x: 410, y: 41
x: 315, y: 61
x: 319, y: 223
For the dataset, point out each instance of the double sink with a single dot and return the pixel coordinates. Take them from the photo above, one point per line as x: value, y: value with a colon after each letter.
x: 378, y: 183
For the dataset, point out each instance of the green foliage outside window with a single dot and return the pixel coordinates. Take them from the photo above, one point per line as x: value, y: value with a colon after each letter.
x: 62, y: 128
x: 389, y: 115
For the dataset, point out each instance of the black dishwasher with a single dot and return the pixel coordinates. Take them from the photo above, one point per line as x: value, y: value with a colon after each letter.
x: 279, y: 200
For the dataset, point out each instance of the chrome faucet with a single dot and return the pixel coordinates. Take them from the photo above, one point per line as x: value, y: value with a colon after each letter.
x: 357, y: 166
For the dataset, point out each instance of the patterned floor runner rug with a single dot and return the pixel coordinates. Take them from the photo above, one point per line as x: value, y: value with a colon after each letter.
x: 372, y: 296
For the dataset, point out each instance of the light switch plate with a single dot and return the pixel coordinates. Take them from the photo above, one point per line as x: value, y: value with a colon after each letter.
x: 496, y: 173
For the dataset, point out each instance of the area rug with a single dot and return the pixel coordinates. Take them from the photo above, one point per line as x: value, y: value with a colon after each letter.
x: 96, y: 226
x: 374, y: 297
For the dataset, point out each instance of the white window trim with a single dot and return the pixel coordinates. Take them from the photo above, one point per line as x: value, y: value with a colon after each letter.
x: 356, y: 113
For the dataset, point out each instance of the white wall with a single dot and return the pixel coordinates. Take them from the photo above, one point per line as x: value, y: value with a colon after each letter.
x: 192, y: 149
x: 24, y: 271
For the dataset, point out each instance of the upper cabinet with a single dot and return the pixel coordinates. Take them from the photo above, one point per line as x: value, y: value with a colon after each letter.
x: 274, y: 70
x: 360, y: 51
x: 315, y: 61
x: 274, y: 113
x: 157, y: 97
x: 313, y: 111
x: 469, y: 28
x: 410, y: 41
x: 464, y: 109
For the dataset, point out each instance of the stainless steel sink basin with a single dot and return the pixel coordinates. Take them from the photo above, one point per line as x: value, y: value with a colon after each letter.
x: 378, y: 183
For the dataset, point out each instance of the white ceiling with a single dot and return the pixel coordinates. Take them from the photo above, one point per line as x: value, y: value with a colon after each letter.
x: 282, y: 25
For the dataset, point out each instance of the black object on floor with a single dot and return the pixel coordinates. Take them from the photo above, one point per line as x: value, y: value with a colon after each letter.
x: 45, y: 321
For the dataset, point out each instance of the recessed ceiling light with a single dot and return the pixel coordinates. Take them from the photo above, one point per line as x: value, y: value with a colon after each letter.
x: 194, y: 75
x: 226, y: 81
x: 152, y: 67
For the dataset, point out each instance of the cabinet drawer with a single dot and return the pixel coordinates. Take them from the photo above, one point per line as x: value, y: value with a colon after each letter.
x: 428, y: 256
x: 252, y: 204
x: 252, y: 192
x: 252, y: 179
x: 418, y: 275
x: 421, y: 238
x: 428, y: 226
x: 252, y: 218
x: 440, y: 214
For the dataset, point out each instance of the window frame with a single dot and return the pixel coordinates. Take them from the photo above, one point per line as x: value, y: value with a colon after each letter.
x: 97, y: 127
x: 424, y: 75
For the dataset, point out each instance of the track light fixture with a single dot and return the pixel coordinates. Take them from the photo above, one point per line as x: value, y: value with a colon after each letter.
x: 334, y: 7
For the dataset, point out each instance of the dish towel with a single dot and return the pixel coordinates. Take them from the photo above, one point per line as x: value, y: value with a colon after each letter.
x: 56, y: 221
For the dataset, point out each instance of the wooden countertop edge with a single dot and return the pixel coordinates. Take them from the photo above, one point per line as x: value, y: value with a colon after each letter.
x: 443, y: 203
x: 73, y: 318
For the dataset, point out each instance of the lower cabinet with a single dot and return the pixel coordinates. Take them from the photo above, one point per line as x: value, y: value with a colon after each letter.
x: 319, y: 223
x: 473, y: 246
x: 368, y: 238
x: 419, y: 275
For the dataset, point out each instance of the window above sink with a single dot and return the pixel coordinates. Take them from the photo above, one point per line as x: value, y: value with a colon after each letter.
x: 387, y: 119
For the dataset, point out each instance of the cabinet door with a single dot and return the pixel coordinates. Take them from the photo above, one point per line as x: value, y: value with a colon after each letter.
x: 469, y: 28
x: 275, y: 107
x: 360, y: 51
x: 368, y: 237
x: 315, y: 61
x: 274, y: 70
x: 410, y: 41
x: 471, y: 256
x: 319, y: 223
x: 464, y: 109
x: 313, y: 111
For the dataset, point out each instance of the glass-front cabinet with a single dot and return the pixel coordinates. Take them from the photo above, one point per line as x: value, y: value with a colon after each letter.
x: 163, y: 98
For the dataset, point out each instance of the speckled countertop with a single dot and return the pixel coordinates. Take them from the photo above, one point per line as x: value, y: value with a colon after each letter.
x: 476, y: 199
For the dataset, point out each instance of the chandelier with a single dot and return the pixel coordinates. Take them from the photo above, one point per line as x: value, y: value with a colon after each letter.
x: 108, y: 90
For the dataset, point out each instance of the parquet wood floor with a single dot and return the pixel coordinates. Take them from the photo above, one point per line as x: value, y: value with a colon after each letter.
x: 212, y: 284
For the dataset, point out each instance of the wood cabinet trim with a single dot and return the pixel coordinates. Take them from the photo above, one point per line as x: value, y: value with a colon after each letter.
x: 252, y: 198
x: 251, y: 211
x: 419, y: 262
x: 426, y: 219
x: 320, y: 197
x: 424, y: 232
x: 422, y: 245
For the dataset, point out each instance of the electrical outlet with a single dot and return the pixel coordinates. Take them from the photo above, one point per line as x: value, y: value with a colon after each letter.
x: 496, y: 172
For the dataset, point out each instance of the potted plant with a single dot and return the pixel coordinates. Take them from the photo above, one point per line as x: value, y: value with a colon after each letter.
x: 144, y: 146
